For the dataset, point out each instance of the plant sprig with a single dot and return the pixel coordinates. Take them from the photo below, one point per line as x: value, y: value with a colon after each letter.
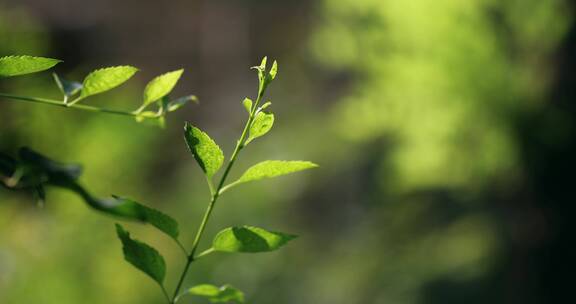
x: 210, y: 159
x: 97, y: 82
x: 33, y: 171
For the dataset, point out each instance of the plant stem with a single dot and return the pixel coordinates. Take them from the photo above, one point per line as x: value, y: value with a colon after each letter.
x: 165, y: 293
x: 59, y: 103
x: 215, y: 194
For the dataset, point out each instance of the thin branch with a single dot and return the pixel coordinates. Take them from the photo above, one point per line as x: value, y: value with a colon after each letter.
x: 59, y: 103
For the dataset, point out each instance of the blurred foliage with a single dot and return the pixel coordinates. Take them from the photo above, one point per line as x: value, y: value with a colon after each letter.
x: 432, y: 94
x: 410, y: 108
x: 441, y: 78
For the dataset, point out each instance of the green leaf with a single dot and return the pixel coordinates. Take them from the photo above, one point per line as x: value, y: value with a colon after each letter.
x: 7, y: 165
x: 261, y: 125
x: 142, y: 256
x: 205, y: 150
x: 262, y: 66
x: 105, y: 79
x: 68, y: 88
x: 161, y: 86
x: 265, y: 105
x: 161, y: 221
x: 53, y: 170
x: 273, y: 70
x: 39, y: 170
x: 265, y: 78
x: 217, y: 294
x: 247, y: 103
x: 135, y: 211
x: 249, y: 239
x: 21, y: 65
x: 180, y: 102
x: 273, y: 168
x: 142, y: 116
x: 128, y: 209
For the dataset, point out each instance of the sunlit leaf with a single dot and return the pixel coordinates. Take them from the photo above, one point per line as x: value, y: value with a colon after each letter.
x: 180, y: 102
x: 249, y: 239
x: 142, y: 256
x: 145, y: 115
x: 205, y: 150
x: 265, y: 105
x: 106, y: 79
x: 261, y: 125
x: 21, y: 65
x: 217, y: 294
x: 273, y: 70
x: 262, y: 66
x: 161, y: 86
x: 247, y: 103
x: 68, y: 88
x: 273, y: 168
x: 265, y: 78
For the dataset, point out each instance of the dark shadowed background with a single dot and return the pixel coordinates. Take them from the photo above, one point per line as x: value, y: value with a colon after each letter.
x: 445, y: 132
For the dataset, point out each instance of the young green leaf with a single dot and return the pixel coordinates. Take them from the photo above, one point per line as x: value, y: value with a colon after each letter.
x: 142, y: 256
x: 249, y: 239
x: 265, y: 105
x: 142, y: 116
x: 105, y: 79
x: 247, y: 103
x: 205, y: 150
x: 21, y: 65
x: 262, y: 66
x: 262, y: 124
x: 273, y: 71
x: 262, y: 83
x: 215, y: 294
x: 180, y: 102
x: 161, y: 86
x: 68, y: 88
x: 269, y: 169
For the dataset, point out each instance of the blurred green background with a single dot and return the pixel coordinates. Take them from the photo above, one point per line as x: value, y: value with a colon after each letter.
x: 445, y: 131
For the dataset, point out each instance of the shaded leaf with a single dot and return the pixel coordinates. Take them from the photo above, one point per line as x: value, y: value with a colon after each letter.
x: 53, y: 169
x: 7, y: 165
x: 262, y: 124
x: 105, y: 79
x: 217, y: 294
x: 68, y: 88
x: 249, y: 239
x: 142, y: 256
x: 21, y: 65
x: 161, y: 86
x: 205, y: 150
x: 131, y: 210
